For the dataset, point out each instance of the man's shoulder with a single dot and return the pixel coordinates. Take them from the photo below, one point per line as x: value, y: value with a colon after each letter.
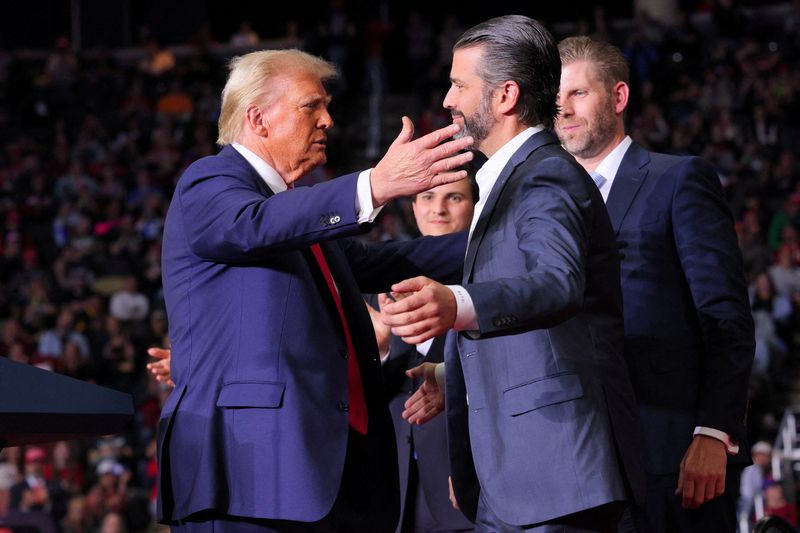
x: 227, y: 162
x: 659, y: 161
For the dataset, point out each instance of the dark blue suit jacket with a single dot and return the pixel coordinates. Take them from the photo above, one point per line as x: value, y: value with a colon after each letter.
x: 257, y: 425
x: 428, y: 441
x: 688, y: 328
x: 539, y: 402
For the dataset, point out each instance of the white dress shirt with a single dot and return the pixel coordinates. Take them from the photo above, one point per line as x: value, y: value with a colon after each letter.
x: 609, y: 166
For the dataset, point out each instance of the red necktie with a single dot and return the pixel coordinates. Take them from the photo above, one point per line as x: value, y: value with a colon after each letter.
x: 355, y: 390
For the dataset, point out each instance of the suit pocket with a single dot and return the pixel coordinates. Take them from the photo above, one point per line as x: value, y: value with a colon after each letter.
x: 549, y: 390
x: 263, y: 394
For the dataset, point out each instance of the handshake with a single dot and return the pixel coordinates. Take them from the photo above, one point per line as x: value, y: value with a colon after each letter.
x: 418, y: 309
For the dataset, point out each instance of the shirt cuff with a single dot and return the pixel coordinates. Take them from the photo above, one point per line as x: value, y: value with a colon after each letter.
x: 364, y: 209
x: 439, y: 373
x: 466, y: 318
x: 731, y: 446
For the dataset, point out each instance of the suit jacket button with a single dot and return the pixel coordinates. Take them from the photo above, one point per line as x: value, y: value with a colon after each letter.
x: 343, y: 406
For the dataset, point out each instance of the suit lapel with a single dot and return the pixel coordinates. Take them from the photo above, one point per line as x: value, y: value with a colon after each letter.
x: 631, y: 174
x: 536, y: 141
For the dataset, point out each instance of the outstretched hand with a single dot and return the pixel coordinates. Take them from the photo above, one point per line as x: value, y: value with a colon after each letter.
x: 426, y: 310
x: 412, y: 166
x: 428, y: 400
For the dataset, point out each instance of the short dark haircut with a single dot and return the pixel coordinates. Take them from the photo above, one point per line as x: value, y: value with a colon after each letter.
x: 519, y: 49
x: 608, y: 62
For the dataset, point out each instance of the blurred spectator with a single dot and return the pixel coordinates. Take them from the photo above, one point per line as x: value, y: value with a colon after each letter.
x: 176, y: 102
x: 785, y: 274
x: 113, y: 523
x: 789, y: 216
x: 128, y: 303
x: 776, y: 504
x: 245, y: 37
x: 158, y: 61
x: 109, y: 493
x: 52, y: 341
x: 77, y: 519
x: 64, y: 468
x: 752, y: 481
x: 770, y: 311
x: 8, y: 478
x: 70, y: 185
x: 61, y: 66
x: 34, y: 492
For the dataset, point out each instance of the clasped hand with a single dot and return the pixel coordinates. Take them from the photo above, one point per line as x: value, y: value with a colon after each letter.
x: 423, y: 309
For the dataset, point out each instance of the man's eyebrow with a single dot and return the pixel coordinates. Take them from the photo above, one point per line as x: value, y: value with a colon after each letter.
x: 315, y: 99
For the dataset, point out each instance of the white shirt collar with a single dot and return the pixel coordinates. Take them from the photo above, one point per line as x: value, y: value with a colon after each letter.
x: 487, y: 175
x: 270, y: 176
x: 609, y: 166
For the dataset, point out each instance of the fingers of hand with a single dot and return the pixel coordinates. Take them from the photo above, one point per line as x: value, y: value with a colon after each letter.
x: 435, y: 137
x: 688, y: 494
x: 159, y: 353
x: 416, y: 372
x: 406, y: 132
x: 447, y: 177
x: 427, y: 327
x: 451, y: 154
x: 410, y: 285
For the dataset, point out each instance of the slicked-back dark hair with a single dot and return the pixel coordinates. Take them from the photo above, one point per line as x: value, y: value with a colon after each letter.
x: 519, y: 49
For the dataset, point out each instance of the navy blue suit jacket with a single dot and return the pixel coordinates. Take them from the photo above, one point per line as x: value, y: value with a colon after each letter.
x: 688, y: 328
x: 539, y: 402
x: 257, y: 425
x: 428, y: 441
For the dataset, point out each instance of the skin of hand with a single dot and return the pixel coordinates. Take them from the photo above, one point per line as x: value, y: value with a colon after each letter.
x: 160, y: 368
x: 382, y: 331
x: 427, y: 310
x: 702, y: 474
x: 414, y: 166
x: 453, y: 500
x: 428, y: 400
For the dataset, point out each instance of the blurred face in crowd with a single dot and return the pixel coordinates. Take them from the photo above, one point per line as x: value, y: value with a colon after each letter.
x: 296, y: 123
x: 444, y: 209
x: 469, y: 100
x: 588, y: 119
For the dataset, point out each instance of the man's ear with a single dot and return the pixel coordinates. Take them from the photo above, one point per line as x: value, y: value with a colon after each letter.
x: 620, y: 93
x: 257, y: 121
x: 507, y: 96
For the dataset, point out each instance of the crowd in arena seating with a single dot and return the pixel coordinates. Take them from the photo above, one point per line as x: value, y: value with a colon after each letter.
x: 92, y: 145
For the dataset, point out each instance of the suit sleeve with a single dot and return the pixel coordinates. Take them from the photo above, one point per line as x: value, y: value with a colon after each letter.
x: 551, y: 232
x: 712, y: 263
x: 378, y: 265
x: 229, y: 219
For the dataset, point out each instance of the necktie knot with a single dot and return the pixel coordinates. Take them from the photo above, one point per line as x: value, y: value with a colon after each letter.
x: 598, y: 179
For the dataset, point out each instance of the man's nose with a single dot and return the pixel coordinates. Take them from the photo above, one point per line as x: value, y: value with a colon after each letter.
x: 326, y: 121
x: 449, y: 100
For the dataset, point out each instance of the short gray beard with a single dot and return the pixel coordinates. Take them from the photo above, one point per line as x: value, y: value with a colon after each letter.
x: 479, y: 125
